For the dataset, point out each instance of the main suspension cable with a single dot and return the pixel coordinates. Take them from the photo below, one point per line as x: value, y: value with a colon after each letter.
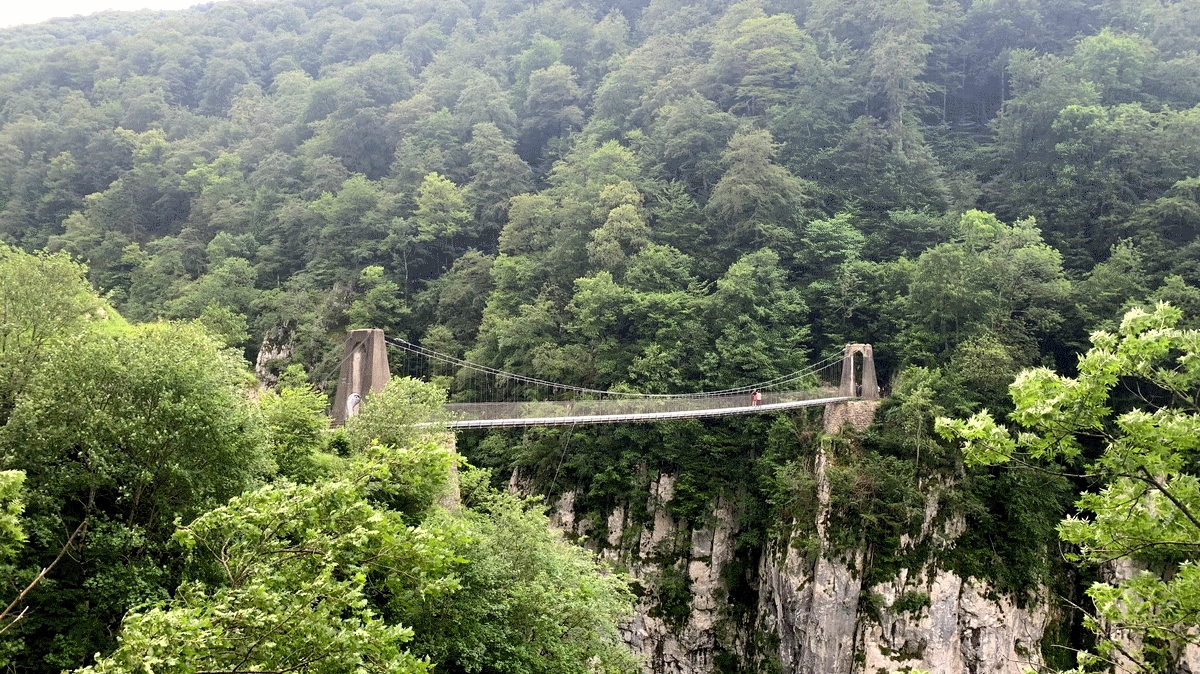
x: 484, y: 369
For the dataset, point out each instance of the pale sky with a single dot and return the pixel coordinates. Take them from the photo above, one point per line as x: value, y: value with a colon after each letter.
x: 16, y: 12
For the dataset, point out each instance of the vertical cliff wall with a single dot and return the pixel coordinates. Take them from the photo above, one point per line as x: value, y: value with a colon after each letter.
x: 806, y: 609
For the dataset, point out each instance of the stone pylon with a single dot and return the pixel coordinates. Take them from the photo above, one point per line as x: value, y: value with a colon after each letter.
x: 867, y: 388
x: 364, y: 370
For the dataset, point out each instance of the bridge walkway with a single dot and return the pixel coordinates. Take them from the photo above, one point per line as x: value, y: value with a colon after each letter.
x: 507, y: 399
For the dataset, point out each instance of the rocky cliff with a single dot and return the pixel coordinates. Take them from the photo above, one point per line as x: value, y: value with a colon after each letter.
x: 812, y: 614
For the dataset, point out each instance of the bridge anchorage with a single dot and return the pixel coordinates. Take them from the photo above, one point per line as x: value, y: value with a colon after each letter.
x: 486, y: 397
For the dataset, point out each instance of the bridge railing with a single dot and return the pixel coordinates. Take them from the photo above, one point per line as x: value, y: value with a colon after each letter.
x: 364, y: 370
x: 573, y: 408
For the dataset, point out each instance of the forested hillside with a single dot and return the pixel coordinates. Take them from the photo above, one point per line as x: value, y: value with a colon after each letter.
x: 664, y: 196
x: 601, y: 174
x: 149, y: 489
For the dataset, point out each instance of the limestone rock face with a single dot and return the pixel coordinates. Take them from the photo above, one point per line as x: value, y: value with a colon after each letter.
x: 1189, y: 660
x: 276, y: 346
x: 814, y: 612
x: 811, y: 608
x: 689, y: 647
x: 960, y: 631
x: 812, y: 603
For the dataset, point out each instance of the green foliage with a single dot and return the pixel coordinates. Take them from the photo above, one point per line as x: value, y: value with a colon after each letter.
x: 389, y: 416
x: 441, y: 208
x: 381, y: 304
x: 229, y: 285
x: 992, y: 278
x: 354, y: 572
x: 44, y: 299
x: 1010, y: 516
x: 12, y: 505
x: 1141, y: 508
x: 754, y: 194
x: 295, y: 418
x: 664, y: 198
x: 282, y: 583
x: 385, y: 430
x: 872, y: 500
x: 529, y: 601
x: 910, y: 602
x: 672, y: 597
x: 127, y: 432
x: 871, y: 496
x: 224, y: 324
x: 159, y: 398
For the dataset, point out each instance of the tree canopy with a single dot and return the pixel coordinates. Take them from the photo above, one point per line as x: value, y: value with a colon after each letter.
x: 658, y: 196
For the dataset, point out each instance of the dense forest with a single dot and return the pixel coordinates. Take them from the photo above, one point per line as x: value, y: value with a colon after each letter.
x: 602, y: 174
x: 661, y: 196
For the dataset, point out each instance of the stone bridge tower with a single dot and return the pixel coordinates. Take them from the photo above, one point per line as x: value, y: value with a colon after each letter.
x: 364, y: 370
x: 866, y: 387
x: 858, y: 413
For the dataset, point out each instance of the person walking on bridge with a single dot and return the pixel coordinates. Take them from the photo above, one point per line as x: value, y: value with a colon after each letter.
x: 756, y: 398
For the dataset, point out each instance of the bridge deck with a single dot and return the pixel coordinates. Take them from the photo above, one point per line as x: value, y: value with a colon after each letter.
x: 644, y: 416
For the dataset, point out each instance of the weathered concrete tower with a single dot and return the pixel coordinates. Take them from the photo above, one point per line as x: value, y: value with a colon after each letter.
x: 867, y: 388
x: 858, y: 413
x: 364, y: 370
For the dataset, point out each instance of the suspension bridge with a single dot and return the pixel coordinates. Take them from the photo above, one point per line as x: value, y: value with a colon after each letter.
x: 486, y: 397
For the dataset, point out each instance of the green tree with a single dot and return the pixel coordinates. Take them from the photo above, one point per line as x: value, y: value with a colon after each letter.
x: 353, y: 227
x: 529, y: 601
x: 12, y: 537
x: 623, y: 233
x: 283, y: 585
x: 457, y: 298
x: 223, y: 79
x: 363, y: 571
x: 12, y: 505
x: 295, y: 418
x: 484, y: 102
x: 230, y: 285
x: 225, y: 324
x: 1112, y: 285
x: 442, y: 211
x: 43, y: 298
x: 380, y: 303
x: 386, y: 431
x: 550, y: 107
x: 825, y: 244
x: 689, y: 135
x: 763, y: 332
x: 993, y: 277
x: 1114, y: 64
x: 754, y: 195
x: 1142, y: 507
x: 897, y: 59
x: 498, y: 175
x: 868, y: 170
x: 123, y: 434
